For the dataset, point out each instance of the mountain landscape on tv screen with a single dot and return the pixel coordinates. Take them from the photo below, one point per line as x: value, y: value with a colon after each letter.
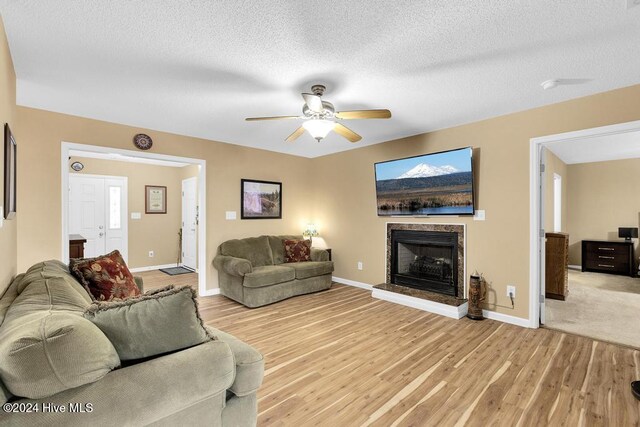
x: 426, y: 190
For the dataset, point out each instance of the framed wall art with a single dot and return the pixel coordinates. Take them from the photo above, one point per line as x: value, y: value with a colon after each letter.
x: 260, y: 199
x: 155, y: 199
x: 10, y: 153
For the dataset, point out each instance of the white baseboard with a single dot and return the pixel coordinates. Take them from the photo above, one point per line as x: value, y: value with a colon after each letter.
x: 518, y: 321
x: 210, y: 292
x: 352, y: 283
x: 422, y: 304
x: 151, y: 267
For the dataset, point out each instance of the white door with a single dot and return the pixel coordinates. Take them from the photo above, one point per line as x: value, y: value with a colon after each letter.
x: 98, y: 212
x: 86, y: 212
x: 189, y: 223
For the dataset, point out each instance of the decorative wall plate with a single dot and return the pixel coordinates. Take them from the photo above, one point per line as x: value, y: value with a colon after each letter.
x: 142, y: 141
x: 77, y: 166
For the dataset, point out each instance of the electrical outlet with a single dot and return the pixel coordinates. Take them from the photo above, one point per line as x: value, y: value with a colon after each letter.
x: 511, y: 291
x: 359, y: 265
x: 151, y: 254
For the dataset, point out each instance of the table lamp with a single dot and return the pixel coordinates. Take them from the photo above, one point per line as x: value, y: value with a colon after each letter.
x: 310, y: 231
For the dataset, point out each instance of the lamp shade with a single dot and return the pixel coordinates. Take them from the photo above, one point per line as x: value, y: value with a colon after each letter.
x: 318, y: 128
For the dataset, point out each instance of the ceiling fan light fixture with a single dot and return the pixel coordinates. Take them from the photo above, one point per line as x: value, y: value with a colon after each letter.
x: 319, y: 128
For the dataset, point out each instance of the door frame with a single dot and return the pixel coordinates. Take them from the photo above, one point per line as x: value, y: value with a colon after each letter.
x: 65, y: 147
x: 536, y: 216
x: 193, y: 178
x: 125, y: 206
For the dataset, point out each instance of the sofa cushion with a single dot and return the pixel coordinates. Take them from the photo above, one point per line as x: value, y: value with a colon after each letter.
x: 277, y: 246
x: 311, y: 268
x: 105, y: 277
x: 249, y: 364
x: 44, y: 353
x: 255, y: 249
x: 297, y: 250
x: 268, y: 275
x: 45, y: 344
x: 157, y: 322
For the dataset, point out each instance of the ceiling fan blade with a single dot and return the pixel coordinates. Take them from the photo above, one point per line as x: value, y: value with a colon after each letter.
x: 363, y: 114
x: 314, y: 102
x: 347, y: 133
x: 251, y: 119
x: 295, y: 135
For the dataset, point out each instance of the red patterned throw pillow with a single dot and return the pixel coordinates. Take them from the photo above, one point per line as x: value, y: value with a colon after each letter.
x: 106, y: 277
x: 297, y: 250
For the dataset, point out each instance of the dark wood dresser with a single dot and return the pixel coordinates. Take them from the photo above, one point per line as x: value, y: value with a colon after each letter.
x: 556, y: 262
x: 76, y: 246
x: 608, y: 257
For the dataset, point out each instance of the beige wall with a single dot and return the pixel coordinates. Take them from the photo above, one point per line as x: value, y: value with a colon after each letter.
x: 602, y: 196
x: 8, y: 239
x: 39, y: 176
x: 152, y: 232
x: 345, y: 209
x: 554, y: 165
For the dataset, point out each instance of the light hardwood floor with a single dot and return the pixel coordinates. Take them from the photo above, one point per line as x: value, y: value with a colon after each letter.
x: 155, y: 279
x: 342, y: 358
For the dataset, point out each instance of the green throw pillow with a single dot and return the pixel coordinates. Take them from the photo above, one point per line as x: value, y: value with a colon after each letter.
x: 151, y: 324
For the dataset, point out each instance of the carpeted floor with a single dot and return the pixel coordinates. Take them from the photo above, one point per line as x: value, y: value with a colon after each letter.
x: 601, y: 306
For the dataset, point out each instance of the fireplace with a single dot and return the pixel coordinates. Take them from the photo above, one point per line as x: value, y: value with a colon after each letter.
x: 426, y: 260
x: 426, y: 267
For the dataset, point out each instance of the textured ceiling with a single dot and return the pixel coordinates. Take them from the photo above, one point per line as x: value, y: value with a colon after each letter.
x: 199, y: 67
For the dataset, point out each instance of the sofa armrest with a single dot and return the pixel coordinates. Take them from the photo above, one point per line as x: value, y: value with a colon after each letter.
x: 319, y: 255
x: 150, y: 390
x: 249, y: 364
x: 232, y: 265
x: 139, y: 283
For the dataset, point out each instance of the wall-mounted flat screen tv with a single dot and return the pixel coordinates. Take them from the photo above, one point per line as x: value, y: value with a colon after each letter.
x: 430, y: 184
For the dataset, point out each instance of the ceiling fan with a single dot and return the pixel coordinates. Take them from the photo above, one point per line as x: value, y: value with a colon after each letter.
x: 320, y: 117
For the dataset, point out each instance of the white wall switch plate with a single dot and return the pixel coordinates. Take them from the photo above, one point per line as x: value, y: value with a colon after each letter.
x: 136, y: 215
x: 359, y: 265
x: 230, y: 215
x: 479, y: 216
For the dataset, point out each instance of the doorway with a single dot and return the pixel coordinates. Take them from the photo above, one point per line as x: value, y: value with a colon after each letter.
x: 67, y: 148
x: 98, y: 212
x: 613, y: 142
x: 189, y: 223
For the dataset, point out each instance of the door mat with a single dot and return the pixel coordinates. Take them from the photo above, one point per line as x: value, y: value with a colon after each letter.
x: 174, y: 271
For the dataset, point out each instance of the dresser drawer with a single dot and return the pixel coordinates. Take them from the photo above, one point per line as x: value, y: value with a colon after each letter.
x: 608, y: 265
x: 605, y: 249
x: 607, y: 257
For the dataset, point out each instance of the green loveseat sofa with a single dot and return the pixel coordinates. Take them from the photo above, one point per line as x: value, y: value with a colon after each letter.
x: 252, y: 271
x: 73, y: 375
